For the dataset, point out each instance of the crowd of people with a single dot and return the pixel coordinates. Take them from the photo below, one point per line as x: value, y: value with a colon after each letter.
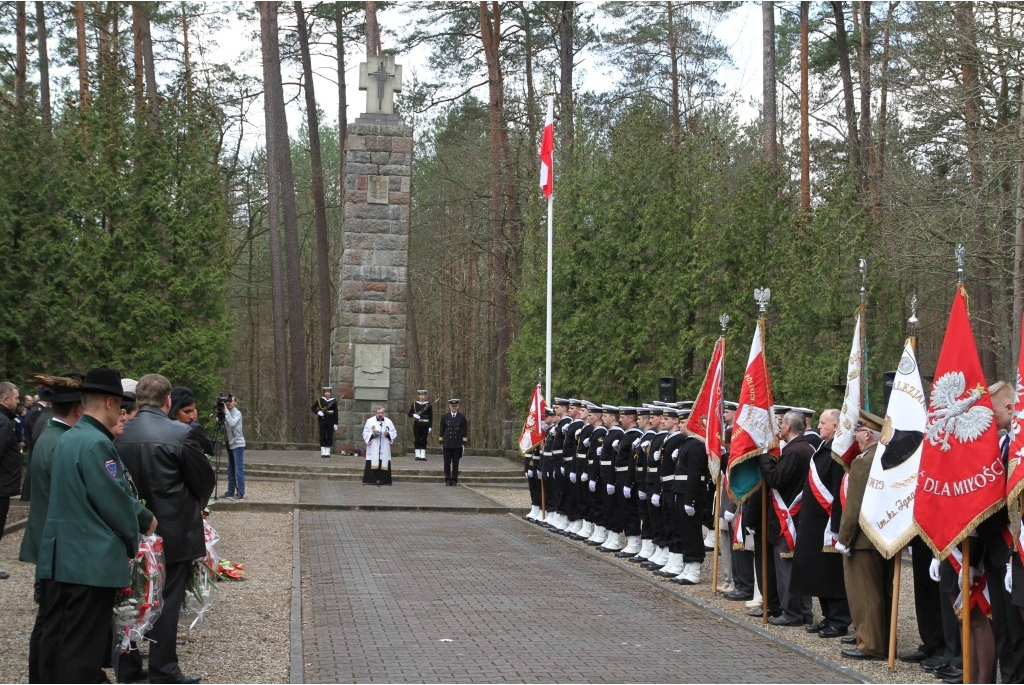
x: 111, y: 460
x: 634, y: 482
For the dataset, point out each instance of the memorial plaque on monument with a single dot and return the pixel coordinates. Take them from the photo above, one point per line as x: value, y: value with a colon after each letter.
x: 377, y: 190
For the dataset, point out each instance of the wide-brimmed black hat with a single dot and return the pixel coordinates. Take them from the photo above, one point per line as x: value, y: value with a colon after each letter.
x: 103, y: 381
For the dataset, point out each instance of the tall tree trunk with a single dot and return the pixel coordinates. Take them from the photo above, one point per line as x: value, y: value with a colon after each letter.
x: 866, y: 146
x: 805, y: 137
x: 771, y: 146
x: 186, y: 56
x: 83, y: 62
x: 490, y: 30
x: 149, y: 70
x: 139, y: 79
x: 21, y: 54
x: 339, y: 32
x: 268, y: 43
x: 567, y: 104
x: 883, y: 97
x: 969, y: 60
x: 372, y: 31
x: 44, y: 71
x: 843, y: 51
x: 320, y: 211
x: 673, y: 56
x: 1018, y: 242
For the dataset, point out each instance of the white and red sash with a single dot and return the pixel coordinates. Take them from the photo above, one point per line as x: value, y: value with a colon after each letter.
x: 737, y: 529
x: 825, y: 499
x: 979, y: 586
x: 786, y: 514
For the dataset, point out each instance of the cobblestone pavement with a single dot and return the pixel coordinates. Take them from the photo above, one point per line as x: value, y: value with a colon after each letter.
x: 439, y: 596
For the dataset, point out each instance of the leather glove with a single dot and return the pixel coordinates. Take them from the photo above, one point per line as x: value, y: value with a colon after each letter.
x: 584, y: 477
x: 416, y: 416
x: 642, y: 495
x: 842, y: 549
x: 657, y: 455
x: 627, y: 491
x: 572, y: 476
x: 933, y: 569
x: 1008, y: 580
x: 319, y: 413
x: 593, y: 486
x: 529, y: 473
x: 690, y: 511
x: 729, y: 516
x: 610, y: 489
x: 656, y: 499
x: 561, y: 470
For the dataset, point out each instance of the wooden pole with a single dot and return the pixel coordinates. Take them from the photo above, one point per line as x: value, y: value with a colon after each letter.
x: 718, y: 524
x: 965, y: 608
x: 894, y: 614
x: 764, y: 553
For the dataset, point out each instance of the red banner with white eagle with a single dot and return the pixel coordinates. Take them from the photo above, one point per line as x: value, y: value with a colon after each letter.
x: 962, y: 480
x: 1015, y: 469
x: 533, y: 432
x: 706, y: 422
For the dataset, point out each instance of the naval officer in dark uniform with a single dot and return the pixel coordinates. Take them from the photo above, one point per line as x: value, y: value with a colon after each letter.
x: 422, y: 414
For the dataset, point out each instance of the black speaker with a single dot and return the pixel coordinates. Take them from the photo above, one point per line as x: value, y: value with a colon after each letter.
x: 667, y: 389
x: 890, y: 378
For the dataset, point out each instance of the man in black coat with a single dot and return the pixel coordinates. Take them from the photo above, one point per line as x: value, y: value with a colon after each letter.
x: 817, y: 566
x: 453, y: 434
x: 10, y: 456
x: 786, y: 478
x: 175, y: 480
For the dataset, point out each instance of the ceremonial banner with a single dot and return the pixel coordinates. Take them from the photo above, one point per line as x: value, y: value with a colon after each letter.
x: 706, y: 422
x: 961, y: 480
x: 547, y: 149
x: 844, y: 445
x: 1015, y: 472
x: 755, y: 428
x: 533, y: 433
x: 887, y: 510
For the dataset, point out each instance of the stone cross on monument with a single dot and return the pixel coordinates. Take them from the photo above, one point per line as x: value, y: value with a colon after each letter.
x: 381, y: 84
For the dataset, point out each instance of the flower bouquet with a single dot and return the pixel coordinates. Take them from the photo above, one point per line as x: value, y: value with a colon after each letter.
x: 137, y: 606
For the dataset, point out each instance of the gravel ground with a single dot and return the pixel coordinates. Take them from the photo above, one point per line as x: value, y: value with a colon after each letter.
x: 244, y: 639
x: 907, y: 637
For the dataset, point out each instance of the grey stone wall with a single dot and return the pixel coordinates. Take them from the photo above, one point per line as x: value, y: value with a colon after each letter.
x: 373, y: 299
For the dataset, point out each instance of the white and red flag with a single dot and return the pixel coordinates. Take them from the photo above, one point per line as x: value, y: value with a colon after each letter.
x: 1015, y: 468
x: 962, y: 480
x: 547, y: 152
x: 844, y: 445
x: 706, y: 422
x: 887, y: 510
x: 755, y: 428
x: 533, y: 432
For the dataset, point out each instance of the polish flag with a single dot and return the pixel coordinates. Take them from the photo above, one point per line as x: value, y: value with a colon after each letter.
x: 533, y: 432
x: 1015, y: 451
x: 706, y: 422
x: 547, y: 150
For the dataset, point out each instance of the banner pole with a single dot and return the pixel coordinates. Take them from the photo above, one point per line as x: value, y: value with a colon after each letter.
x: 547, y: 341
x: 895, y: 610
x: 965, y: 608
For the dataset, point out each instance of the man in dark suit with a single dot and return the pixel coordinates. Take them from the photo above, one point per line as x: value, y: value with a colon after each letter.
x: 453, y: 435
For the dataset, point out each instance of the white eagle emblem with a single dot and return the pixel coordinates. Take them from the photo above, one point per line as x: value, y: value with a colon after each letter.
x: 953, y: 414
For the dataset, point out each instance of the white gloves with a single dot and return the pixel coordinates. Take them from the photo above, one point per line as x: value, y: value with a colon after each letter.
x: 593, y: 486
x: 551, y: 431
x: 561, y: 469
x: 657, y: 455
x: 842, y: 549
x: 642, y: 495
x: 675, y: 455
x: 615, y: 445
x: 572, y: 476
x: 644, y: 445
x: 416, y: 416
x: 933, y: 570
x: 599, y: 450
x: 335, y: 426
x: 540, y: 475
x: 627, y: 491
x: 320, y: 413
x: 586, y: 442
x: 729, y: 516
x: 529, y: 473
x: 610, y: 489
x: 584, y: 477
x: 656, y: 499
x: 1008, y: 580
x: 690, y: 511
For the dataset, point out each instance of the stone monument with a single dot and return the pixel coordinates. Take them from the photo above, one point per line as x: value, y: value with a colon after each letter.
x: 369, y: 344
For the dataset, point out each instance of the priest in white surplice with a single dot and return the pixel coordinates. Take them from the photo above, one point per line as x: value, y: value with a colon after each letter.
x: 378, y: 434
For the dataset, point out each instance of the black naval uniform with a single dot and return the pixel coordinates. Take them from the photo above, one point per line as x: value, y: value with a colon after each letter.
x: 453, y: 433
x: 690, y: 488
x: 579, y: 467
x: 610, y: 503
x: 556, y: 489
x: 666, y: 476
x: 570, y: 495
x: 595, y: 485
x: 650, y: 521
x: 628, y: 519
x: 532, y: 471
x: 326, y: 410
x: 421, y: 426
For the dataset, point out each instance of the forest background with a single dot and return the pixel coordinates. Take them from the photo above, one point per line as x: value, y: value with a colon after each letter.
x: 156, y: 215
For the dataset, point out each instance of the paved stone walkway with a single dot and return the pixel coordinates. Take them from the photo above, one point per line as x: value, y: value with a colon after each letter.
x: 436, y: 595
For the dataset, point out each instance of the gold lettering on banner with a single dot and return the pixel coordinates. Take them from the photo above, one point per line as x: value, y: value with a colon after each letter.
x: 751, y: 388
x: 965, y: 486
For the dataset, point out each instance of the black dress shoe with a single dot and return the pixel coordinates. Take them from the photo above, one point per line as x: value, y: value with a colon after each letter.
x: 949, y: 671
x: 915, y: 657
x: 180, y: 678
x: 737, y: 596
x: 934, y: 662
x: 830, y: 632
x: 849, y: 640
x: 756, y: 613
x: 4, y: 575
x: 784, y: 621
x: 816, y: 627
x: 953, y: 681
x: 858, y: 654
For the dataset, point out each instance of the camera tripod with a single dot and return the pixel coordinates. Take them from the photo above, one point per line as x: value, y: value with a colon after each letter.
x: 217, y: 439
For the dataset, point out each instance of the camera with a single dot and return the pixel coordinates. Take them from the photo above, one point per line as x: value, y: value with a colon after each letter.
x: 220, y: 407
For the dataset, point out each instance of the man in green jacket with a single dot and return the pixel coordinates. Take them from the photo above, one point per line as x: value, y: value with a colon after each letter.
x: 91, y: 531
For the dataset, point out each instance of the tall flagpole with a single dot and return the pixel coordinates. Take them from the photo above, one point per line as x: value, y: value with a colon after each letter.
x: 762, y: 296
x: 965, y: 565
x: 547, y: 330
x: 548, y: 159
